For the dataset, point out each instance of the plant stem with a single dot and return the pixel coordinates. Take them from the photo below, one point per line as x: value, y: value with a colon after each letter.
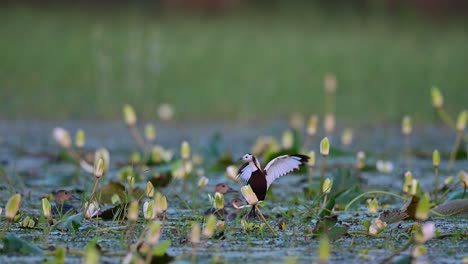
x: 264, y: 220
x: 322, y: 176
x: 7, y: 224
x: 407, y: 152
x: 96, y: 181
x: 436, y: 183
x: 311, y: 174
x: 453, y: 154
x: 371, y: 192
x: 138, y: 139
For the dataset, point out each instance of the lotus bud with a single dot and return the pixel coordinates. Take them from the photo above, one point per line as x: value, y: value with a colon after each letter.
x: 202, y: 182
x: 62, y: 137
x: 324, y: 147
x: 249, y: 195
x: 297, y: 121
x: 1, y: 209
x: 133, y: 211
x: 210, y: 226
x: 12, y: 206
x: 418, y: 251
x: 91, y: 254
x: 197, y: 159
x: 327, y: 186
x: 448, y: 180
x: 195, y: 234
x: 46, y: 208
x: 312, y: 125
x: 92, y: 209
x: 376, y: 226
x: 149, y: 190
x: 231, y: 172
x: 131, y: 181
x: 129, y: 115
x: 103, y: 154
x: 407, y: 182
x: 156, y: 154
x: 60, y: 255
x: 414, y: 187
x: 324, y: 249
x: 219, y: 201
x: 165, y: 112
x: 153, y: 234
x: 329, y: 122
x: 288, y: 139
x: 437, y: 98
x: 329, y: 83
x: 115, y: 199
x: 149, y: 211
x: 150, y: 132
x: 461, y: 120
x: 406, y: 126
x: 425, y: 233
x: 463, y: 178
x: 347, y: 137
x: 361, y: 160
x: 372, y: 206
x: 435, y: 158
x: 161, y: 203
x: 422, y: 210
x: 311, y: 162
x: 80, y: 138
x: 99, y: 168
x: 185, y: 150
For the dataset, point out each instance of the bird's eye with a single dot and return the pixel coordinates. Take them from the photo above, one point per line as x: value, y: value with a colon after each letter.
x: 224, y: 185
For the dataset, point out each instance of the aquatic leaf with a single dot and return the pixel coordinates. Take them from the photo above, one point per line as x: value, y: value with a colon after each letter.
x: 71, y: 223
x: 114, y: 213
x: 410, y: 207
x: 326, y: 211
x: 91, y: 253
x: 457, y: 207
x: 105, y: 193
x: 161, y: 248
x: 14, y: 245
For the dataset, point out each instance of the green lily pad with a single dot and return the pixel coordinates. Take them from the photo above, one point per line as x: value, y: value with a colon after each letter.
x: 16, y: 246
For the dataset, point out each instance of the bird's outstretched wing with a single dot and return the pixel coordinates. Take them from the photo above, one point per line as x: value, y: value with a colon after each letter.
x: 283, y: 165
x: 244, y: 173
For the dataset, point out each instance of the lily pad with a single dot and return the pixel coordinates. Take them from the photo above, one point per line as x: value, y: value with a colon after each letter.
x: 16, y: 246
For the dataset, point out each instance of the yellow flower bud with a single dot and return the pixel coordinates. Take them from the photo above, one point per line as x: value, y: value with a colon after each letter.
x: 312, y: 125
x: 324, y: 147
x: 12, y: 206
x: 329, y: 122
x: 347, y: 137
x: 361, y: 160
x: 129, y: 115
x: 327, y: 186
x: 406, y: 126
x: 99, y: 168
x: 185, y: 150
x: 311, y: 162
x: 330, y: 83
x: 150, y: 132
x: 149, y: 190
x: 435, y: 158
x: 80, y: 138
x: 161, y: 203
x: 437, y: 98
x: 219, y: 201
x: 287, y: 139
x: 210, y: 226
x: 202, y: 182
x: 461, y: 120
x: 249, y: 195
x: 46, y: 208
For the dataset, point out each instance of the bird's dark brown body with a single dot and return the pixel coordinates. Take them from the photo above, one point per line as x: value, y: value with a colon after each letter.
x: 258, y: 183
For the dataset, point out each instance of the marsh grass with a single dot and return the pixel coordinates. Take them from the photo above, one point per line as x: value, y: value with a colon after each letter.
x: 141, y: 60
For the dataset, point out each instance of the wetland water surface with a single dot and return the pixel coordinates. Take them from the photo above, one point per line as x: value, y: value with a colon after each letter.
x: 32, y: 162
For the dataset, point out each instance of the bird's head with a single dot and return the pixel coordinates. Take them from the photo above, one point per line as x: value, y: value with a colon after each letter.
x: 237, y: 203
x: 223, y: 188
x: 247, y: 157
x: 62, y: 196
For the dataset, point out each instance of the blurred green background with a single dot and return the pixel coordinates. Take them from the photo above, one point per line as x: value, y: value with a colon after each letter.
x: 229, y: 63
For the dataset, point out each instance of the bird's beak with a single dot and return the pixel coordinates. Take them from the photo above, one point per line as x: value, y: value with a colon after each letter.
x: 74, y: 198
x: 231, y: 190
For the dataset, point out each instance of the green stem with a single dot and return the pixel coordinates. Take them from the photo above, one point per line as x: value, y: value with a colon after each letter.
x: 407, y: 152
x: 264, y: 220
x: 311, y: 173
x: 436, y: 183
x: 372, y: 192
x: 322, y: 176
x: 138, y: 139
x: 446, y: 118
x: 7, y: 224
x: 96, y: 181
x: 453, y: 154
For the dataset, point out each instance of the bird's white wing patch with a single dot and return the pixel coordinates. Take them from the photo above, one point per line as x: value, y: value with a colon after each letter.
x: 244, y: 173
x: 281, y: 166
